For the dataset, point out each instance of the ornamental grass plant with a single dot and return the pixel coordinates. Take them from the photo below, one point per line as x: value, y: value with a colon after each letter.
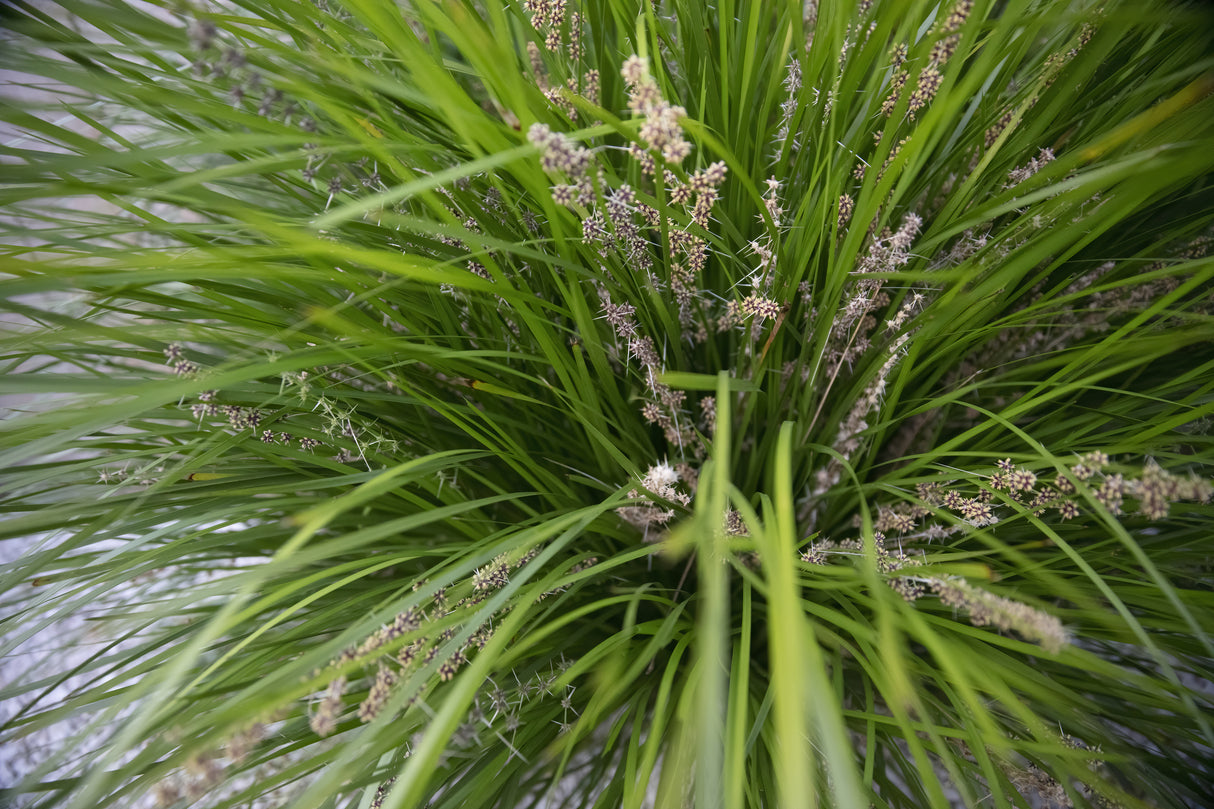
x: 608, y: 403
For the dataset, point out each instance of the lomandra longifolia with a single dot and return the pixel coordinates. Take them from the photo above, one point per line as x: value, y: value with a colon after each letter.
x: 607, y: 403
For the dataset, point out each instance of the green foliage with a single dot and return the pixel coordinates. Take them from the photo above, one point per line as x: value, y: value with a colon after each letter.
x: 609, y: 404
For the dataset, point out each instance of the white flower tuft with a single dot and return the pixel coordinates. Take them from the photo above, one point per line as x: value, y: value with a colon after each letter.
x: 659, y: 477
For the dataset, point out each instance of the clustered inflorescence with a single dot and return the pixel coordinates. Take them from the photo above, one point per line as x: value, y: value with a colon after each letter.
x: 902, y: 534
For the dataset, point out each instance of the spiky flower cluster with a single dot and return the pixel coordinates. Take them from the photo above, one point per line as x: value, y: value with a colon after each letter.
x: 340, y: 425
x: 559, y: 155
x: 493, y: 576
x: 397, y: 647
x: 1019, y: 175
x: 947, y: 506
x: 666, y: 404
x: 324, y: 721
x: 181, y: 366
x: 548, y: 16
x: 987, y: 609
x: 903, y: 533
x: 852, y: 327
x: 661, y: 130
x: 661, y: 481
x: 790, y: 105
x: 611, y: 225
x: 911, y: 577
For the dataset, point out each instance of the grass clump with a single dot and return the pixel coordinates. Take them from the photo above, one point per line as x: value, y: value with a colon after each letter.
x: 610, y: 404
